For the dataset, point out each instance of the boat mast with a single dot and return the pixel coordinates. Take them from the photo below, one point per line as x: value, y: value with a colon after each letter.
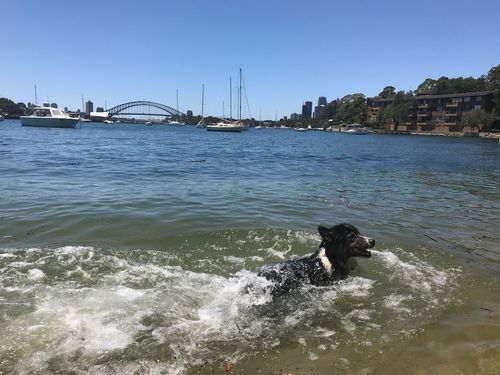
x: 36, y: 97
x: 230, y: 99
x: 177, y: 98
x: 239, y: 98
x: 202, y: 99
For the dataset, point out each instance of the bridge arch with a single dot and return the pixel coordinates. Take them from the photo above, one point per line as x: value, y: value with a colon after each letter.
x: 124, y: 108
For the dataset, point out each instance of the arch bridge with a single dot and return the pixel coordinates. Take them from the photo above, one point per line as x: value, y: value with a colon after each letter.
x: 143, y: 108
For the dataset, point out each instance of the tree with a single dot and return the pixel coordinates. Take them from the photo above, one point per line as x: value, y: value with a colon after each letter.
x: 9, y: 107
x: 493, y: 83
x: 399, y: 110
x: 388, y: 92
x: 351, y: 109
x: 477, y: 119
x: 427, y: 85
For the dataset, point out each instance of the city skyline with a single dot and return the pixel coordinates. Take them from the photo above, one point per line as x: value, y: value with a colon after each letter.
x: 290, y: 52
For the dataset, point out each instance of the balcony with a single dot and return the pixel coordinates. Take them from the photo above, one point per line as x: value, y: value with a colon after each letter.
x: 422, y: 106
x: 451, y: 105
x: 450, y: 114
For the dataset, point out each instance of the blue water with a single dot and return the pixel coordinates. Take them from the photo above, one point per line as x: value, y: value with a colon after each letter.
x: 125, y: 239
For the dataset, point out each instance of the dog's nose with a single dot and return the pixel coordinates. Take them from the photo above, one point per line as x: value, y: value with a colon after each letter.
x: 371, y: 242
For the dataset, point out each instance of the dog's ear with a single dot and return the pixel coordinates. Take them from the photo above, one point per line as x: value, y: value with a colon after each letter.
x: 324, y: 232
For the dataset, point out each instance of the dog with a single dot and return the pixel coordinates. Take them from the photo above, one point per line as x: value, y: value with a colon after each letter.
x: 339, y: 246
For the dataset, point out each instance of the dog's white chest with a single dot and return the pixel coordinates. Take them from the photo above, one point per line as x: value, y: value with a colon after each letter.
x: 325, y: 261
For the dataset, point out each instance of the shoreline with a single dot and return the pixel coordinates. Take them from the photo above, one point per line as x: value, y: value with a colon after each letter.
x: 487, y: 135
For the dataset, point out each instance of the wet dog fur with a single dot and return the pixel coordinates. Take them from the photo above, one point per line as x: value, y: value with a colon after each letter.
x: 340, y: 245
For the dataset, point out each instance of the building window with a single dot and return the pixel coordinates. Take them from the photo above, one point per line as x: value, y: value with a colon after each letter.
x: 466, y: 99
x: 439, y: 108
x: 478, y: 98
x: 477, y: 106
x: 456, y: 100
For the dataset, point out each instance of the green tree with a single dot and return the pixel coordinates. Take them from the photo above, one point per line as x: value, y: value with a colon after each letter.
x: 351, y: 109
x: 400, y: 110
x: 493, y: 83
x: 427, y: 85
x: 387, y: 92
x: 10, y: 108
x: 477, y: 120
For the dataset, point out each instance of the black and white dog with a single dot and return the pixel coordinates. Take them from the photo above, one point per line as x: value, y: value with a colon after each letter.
x: 339, y: 245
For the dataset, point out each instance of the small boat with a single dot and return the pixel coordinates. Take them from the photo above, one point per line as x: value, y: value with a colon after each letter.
x: 82, y: 119
x: 176, y: 123
x: 356, y: 129
x: 226, y: 126
x: 108, y: 122
x: 49, y: 117
x: 1, y: 118
x: 300, y: 129
x: 148, y: 123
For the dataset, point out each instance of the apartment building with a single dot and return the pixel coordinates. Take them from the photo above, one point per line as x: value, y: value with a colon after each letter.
x: 440, y: 113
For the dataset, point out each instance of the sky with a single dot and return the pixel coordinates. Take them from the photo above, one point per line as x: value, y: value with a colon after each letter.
x: 112, y: 51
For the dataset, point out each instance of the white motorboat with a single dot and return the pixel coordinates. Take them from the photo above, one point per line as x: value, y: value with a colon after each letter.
x: 49, y: 117
x: 1, y: 118
x: 108, y: 122
x: 176, y: 123
x: 356, y: 129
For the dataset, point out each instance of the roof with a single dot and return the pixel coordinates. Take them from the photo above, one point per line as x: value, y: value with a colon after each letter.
x: 462, y: 94
x: 476, y: 93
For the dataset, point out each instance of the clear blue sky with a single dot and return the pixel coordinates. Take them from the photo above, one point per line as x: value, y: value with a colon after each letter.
x: 290, y: 51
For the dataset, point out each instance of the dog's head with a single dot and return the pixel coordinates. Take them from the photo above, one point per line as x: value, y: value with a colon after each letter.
x: 344, y: 241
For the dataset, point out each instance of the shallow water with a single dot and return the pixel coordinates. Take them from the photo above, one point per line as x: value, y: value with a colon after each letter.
x: 129, y: 249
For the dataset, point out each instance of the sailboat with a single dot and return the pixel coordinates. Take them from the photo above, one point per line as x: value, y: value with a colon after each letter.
x: 202, y: 123
x: 225, y: 125
x: 175, y: 122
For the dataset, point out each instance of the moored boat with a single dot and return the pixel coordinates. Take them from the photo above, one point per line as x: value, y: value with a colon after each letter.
x: 221, y: 126
x: 48, y: 117
x: 356, y: 129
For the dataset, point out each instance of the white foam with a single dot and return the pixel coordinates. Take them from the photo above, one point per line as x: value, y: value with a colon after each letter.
x: 193, y: 315
x: 233, y: 259
x: 356, y: 286
x: 397, y: 302
x: 423, y: 277
x: 35, y: 274
x: 277, y: 253
x: 313, y: 356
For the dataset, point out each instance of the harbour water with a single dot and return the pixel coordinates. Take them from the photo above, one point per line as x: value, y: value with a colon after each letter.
x: 132, y: 249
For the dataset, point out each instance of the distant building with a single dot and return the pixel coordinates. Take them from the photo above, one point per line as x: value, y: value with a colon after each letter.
x: 307, y: 110
x: 319, y: 111
x: 441, y: 113
x: 322, y: 101
x: 189, y: 113
x: 99, y: 109
x: 294, y: 116
x: 89, y: 107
